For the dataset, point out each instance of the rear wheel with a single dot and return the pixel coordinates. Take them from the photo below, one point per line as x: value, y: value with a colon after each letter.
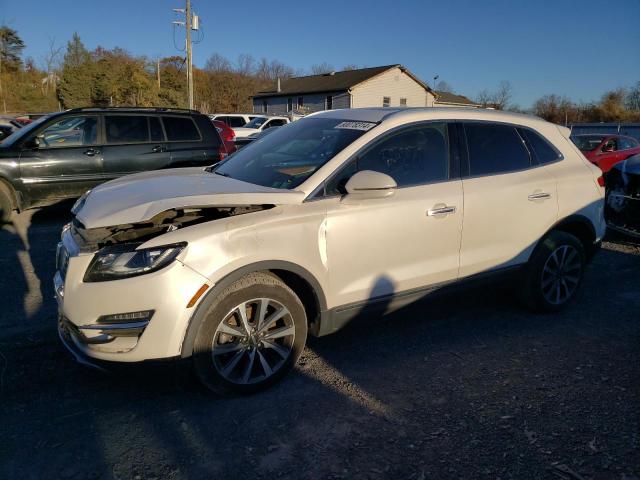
x: 6, y: 204
x: 251, y: 337
x: 554, y: 272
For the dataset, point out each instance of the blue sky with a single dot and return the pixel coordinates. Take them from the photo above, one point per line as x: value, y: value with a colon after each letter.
x: 580, y: 48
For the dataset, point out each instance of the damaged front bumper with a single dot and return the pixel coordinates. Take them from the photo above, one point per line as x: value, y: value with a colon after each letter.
x: 622, y: 207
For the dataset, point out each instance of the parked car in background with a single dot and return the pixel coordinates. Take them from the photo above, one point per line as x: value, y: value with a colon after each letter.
x: 606, y: 150
x: 5, y: 131
x: 227, y: 134
x: 259, y: 124
x: 323, y: 221
x: 64, y: 154
x: 244, y: 141
x: 233, y: 120
x: 622, y: 209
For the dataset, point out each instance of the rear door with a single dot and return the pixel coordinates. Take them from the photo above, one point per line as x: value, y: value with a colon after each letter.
x: 191, y: 145
x: 509, y: 201
x: 68, y: 160
x: 133, y: 143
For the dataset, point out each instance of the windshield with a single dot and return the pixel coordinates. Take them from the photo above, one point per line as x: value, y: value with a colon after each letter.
x: 18, y: 134
x: 291, y: 154
x: 256, y: 122
x: 587, y: 143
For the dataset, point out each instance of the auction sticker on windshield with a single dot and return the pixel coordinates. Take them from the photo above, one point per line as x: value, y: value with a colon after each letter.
x: 364, y: 126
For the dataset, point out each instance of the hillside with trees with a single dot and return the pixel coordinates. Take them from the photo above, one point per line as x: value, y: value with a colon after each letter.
x: 70, y: 75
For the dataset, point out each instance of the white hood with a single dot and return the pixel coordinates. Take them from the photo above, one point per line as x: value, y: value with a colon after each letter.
x: 242, y: 132
x: 138, y: 198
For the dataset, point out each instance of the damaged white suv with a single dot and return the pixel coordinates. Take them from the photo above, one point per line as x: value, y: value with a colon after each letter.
x: 321, y: 222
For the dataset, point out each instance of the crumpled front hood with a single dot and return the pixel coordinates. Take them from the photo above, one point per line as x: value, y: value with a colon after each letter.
x: 137, y: 198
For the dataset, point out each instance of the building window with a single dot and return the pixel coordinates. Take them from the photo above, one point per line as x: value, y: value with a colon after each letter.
x: 264, y: 106
x: 403, y: 102
x: 386, y: 101
x: 300, y: 102
x: 328, y: 103
x: 289, y: 104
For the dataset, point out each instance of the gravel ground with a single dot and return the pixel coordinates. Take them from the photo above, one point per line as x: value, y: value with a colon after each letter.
x: 464, y: 387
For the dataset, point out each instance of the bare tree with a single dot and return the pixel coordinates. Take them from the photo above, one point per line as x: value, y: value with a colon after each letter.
x: 245, y: 65
x: 503, y: 95
x: 216, y: 63
x: 632, y: 100
x: 351, y: 66
x: 51, y: 62
x: 485, y: 98
x: 321, y: 68
x: 443, y: 86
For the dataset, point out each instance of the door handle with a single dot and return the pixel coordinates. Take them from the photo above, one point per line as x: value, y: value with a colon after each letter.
x: 539, y: 196
x: 440, y: 210
x: 158, y: 149
x: 91, y: 152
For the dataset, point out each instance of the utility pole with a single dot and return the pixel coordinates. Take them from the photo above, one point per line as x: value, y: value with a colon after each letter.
x: 191, y: 23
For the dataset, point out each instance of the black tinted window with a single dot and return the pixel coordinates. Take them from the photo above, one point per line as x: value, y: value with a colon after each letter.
x: 126, y: 129
x: 414, y: 156
x: 155, y: 129
x: 180, y: 129
x: 544, y: 152
x: 234, y: 122
x: 495, y: 149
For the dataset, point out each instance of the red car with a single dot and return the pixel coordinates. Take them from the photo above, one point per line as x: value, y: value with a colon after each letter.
x: 227, y: 134
x: 606, y: 150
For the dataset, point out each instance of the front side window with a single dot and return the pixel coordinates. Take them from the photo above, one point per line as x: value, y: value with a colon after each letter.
x: 180, y: 129
x: 414, y: 156
x: 291, y: 154
x: 256, y: 122
x: 126, y: 129
x: 544, y: 152
x: 386, y: 101
x: 73, y: 131
x: 625, y: 143
x: 495, y: 149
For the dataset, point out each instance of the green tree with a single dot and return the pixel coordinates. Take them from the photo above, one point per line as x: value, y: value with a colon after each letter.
x: 75, y: 85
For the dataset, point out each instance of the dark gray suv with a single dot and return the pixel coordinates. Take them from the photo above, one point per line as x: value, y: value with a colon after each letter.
x: 64, y: 154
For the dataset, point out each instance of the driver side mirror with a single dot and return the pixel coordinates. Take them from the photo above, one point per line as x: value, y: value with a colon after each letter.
x: 369, y: 184
x: 32, y: 143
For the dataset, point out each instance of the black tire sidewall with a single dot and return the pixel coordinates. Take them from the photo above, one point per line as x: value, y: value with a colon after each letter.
x: 228, y: 300
x: 532, y: 292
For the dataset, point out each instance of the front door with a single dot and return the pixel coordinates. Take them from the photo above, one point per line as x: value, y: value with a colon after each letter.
x: 66, y: 162
x: 404, y: 242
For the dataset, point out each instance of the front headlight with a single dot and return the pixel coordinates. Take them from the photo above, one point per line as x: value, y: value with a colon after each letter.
x: 124, y: 261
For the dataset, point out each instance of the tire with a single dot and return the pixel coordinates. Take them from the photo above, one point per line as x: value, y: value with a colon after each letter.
x: 228, y: 359
x: 6, y: 204
x: 554, y: 273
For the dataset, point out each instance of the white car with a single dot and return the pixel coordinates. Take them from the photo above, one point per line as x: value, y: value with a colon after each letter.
x: 233, y: 120
x: 332, y: 218
x: 260, y: 124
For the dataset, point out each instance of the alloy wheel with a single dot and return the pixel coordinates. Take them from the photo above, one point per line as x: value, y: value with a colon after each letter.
x: 561, y: 274
x: 253, y: 341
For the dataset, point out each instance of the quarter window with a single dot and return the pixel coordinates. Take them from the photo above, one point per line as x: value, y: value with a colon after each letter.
x: 413, y: 156
x: 494, y: 149
x: 544, y: 152
x: 180, y: 129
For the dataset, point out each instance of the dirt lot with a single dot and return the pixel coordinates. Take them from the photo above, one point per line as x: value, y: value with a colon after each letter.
x: 462, y: 387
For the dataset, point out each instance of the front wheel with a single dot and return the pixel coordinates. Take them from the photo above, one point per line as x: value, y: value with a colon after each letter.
x: 554, y: 272
x: 252, y: 335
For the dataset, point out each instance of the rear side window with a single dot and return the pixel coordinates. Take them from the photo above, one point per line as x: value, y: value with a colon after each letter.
x: 234, y: 122
x: 155, y: 129
x: 126, y: 129
x: 495, y: 149
x: 543, y: 150
x: 180, y: 129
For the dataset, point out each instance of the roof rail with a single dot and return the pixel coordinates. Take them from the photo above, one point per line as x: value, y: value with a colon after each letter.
x: 143, y: 109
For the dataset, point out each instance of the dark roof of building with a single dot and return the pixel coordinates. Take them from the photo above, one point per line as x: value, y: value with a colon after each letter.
x: 448, y: 97
x: 330, y: 82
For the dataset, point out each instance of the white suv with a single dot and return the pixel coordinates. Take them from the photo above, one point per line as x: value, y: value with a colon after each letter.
x: 260, y: 124
x: 320, y: 222
x: 234, y: 120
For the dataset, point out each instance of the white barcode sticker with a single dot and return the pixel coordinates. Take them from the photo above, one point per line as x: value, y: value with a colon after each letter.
x: 364, y: 126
